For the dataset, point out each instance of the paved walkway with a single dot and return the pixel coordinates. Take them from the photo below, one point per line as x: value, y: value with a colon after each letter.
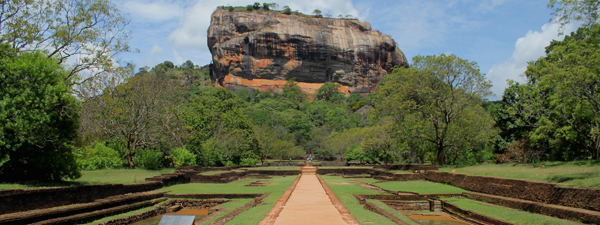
x: 309, y: 203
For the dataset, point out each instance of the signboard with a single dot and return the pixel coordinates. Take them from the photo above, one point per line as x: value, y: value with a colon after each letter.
x: 177, y: 220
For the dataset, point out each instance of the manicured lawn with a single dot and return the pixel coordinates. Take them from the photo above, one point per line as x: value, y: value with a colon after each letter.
x: 124, y: 214
x: 345, y: 167
x: 578, y: 174
x: 113, y: 176
x: 343, y: 189
x: 420, y: 186
x: 274, y: 168
x: 208, y: 173
x: 510, y: 215
x: 392, y: 211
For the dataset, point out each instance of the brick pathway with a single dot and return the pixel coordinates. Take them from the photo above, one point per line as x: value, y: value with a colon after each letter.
x: 310, y: 204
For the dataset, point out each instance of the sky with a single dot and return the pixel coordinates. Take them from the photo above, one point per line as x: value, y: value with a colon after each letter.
x: 501, y: 36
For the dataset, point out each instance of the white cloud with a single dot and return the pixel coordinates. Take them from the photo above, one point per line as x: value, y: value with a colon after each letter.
x: 528, y: 48
x: 196, y: 19
x: 178, y: 58
x: 155, y: 49
x: 153, y: 11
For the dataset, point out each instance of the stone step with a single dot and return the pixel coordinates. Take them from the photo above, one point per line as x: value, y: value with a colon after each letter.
x: 37, y: 215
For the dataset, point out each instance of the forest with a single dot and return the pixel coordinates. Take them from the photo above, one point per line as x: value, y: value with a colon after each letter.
x: 58, y: 118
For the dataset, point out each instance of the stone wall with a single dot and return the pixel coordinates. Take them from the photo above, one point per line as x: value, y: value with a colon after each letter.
x: 15, y: 200
x: 585, y: 198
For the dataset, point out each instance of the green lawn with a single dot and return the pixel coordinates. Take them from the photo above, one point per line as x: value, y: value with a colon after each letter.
x: 343, y: 189
x: 345, y: 167
x: 577, y: 174
x: 420, y: 186
x: 275, y: 168
x: 208, y: 173
x: 506, y: 214
x: 113, y: 176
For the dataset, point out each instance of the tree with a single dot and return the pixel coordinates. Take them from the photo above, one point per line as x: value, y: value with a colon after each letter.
x: 266, y: 6
x: 39, y: 118
x: 138, y: 111
x: 566, y: 83
x: 286, y: 10
x: 434, y: 100
x: 292, y: 91
x: 317, y: 12
x: 256, y: 6
x: 587, y: 11
x: 91, y: 31
x: 330, y: 92
x: 187, y: 65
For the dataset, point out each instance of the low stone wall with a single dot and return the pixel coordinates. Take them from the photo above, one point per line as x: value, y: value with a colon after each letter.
x: 217, y: 178
x: 582, y: 215
x: 407, y: 205
x: 470, y: 215
x: 15, y: 200
x: 256, y: 201
x: 407, y: 197
x: 212, y: 196
x: 385, y: 175
x: 285, y: 163
x: 549, y: 193
x: 167, y: 207
x: 344, y: 171
x: 373, y: 208
x: 409, y: 167
x: 275, y: 172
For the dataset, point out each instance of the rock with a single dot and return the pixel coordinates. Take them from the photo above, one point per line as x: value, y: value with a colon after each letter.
x: 262, y: 50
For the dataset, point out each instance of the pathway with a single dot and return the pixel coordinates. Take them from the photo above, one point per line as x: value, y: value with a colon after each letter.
x: 310, y: 204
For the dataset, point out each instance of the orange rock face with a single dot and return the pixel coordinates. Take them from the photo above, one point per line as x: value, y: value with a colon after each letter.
x: 262, y: 50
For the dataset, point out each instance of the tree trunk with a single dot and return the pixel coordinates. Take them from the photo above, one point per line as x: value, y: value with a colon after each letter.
x: 440, y: 154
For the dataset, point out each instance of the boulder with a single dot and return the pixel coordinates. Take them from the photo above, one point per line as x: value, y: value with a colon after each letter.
x: 262, y: 50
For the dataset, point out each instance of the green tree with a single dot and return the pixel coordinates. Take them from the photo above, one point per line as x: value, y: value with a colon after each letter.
x: 565, y: 82
x: 256, y: 6
x: 187, y: 65
x: 39, y: 118
x: 317, y: 12
x: 330, y: 92
x: 286, y: 10
x: 567, y: 11
x: 292, y: 91
x: 434, y: 100
x: 93, y: 31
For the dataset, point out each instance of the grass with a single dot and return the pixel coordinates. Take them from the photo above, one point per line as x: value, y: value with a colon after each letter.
x: 343, y: 189
x: 392, y: 211
x: 112, y: 176
x: 277, y: 186
x: 420, y: 186
x: 124, y: 214
x: 275, y: 168
x: 345, y: 167
x: 577, y: 174
x: 510, y: 215
x: 229, y: 206
x: 401, y: 171
x: 208, y: 173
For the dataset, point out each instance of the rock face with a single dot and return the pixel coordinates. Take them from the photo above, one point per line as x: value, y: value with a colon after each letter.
x: 262, y: 50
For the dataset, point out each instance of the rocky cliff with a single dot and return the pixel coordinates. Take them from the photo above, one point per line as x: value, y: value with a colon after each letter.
x: 262, y: 50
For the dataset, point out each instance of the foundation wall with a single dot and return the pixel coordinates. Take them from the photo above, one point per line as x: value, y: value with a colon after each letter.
x: 15, y: 200
x: 549, y: 193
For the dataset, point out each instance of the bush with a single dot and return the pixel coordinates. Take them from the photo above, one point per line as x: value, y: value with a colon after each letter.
x: 183, y: 157
x: 249, y: 161
x: 98, y: 156
x: 148, y: 159
x: 249, y: 8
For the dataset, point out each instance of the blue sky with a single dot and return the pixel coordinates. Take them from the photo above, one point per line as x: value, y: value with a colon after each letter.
x: 500, y: 35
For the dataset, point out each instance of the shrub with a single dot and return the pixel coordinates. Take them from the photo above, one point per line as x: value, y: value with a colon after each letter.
x: 249, y: 8
x: 183, y: 157
x: 249, y: 161
x: 148, y: 159
x: 98, y: 156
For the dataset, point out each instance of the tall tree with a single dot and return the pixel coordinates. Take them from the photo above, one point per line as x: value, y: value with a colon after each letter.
x: 567, y: 11
x: 568, y: 79
x: 292, y: 91
x: 86, y: 35
x: 432, y: 100
x: 330, y: 92
x: 39, y: 119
